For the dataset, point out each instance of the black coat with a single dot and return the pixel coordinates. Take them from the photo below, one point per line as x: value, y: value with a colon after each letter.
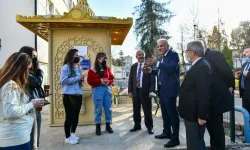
x: 148, y: 81
x: 222, y: 79
x: 35, y: 85
x: 194, y: 100
x: 243, y: 94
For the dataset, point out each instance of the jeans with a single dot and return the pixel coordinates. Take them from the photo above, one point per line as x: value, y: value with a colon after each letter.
x: 102, y: 97
x: 39, y: 122
x: 25, y: 146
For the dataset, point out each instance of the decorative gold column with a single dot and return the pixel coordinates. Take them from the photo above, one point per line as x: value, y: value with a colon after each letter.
x: 109, y: 50
x: 50, y: 73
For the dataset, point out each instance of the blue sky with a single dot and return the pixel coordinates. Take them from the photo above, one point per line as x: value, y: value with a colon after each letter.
x: 231, y: 12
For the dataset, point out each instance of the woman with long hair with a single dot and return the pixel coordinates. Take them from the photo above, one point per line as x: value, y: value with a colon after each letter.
x: 16, y: 111
x: 71, y: 82
x: 101, y: 78
x: 35, y: 89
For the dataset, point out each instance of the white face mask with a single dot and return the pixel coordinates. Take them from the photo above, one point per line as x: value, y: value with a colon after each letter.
x: 246, y: 59
x: 188, y: 58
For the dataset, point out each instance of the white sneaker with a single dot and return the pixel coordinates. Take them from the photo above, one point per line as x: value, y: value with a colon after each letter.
x: 71, y: 140
x: 73, y: 135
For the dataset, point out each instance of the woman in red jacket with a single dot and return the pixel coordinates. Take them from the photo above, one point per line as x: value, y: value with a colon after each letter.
x: 100, y: 78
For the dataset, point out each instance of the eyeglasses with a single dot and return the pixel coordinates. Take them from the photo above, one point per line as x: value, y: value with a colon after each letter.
x: 186, y: 51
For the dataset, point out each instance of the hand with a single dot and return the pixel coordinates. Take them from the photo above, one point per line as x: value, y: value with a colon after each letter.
x: 237, y: 74
x: 130, y: 94
x: 38, y: 65
x: 231, y: 90
x: 82, y: 77
x: 150, y: 95
x: 104, y: 81
x: 201, y: 122
x: 245, y: 73
x: 151, y: 62
x: 37, y: 103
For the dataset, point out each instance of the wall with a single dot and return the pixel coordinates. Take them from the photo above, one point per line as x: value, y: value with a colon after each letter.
x: 12, y: 34
x: 64, y: 39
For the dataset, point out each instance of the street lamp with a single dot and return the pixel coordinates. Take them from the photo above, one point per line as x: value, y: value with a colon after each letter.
x: 0, y: 44
x: 195, y: 27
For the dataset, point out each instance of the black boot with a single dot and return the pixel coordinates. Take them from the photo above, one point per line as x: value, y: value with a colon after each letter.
x: 108, y: 128
x: 98, y: 129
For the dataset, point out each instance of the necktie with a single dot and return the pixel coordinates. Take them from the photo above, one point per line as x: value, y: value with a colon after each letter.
x: 243, y: 77
x: 138, y: 78
x: 159, y: 72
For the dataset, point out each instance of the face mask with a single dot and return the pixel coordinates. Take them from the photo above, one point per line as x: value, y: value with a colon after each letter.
x: 34, y: 60
x: 188, y: 58
x: 76, y: 59
x: 246, y: 59
x: 104, y: 62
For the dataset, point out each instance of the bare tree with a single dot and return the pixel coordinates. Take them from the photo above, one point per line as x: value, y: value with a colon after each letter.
x: 194, y: 10
x: 184, y: 31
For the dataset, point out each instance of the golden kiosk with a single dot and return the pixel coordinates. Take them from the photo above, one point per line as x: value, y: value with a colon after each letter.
x: 79, y: 27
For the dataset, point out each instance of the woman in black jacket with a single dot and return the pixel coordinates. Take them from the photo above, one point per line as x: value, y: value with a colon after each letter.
x: 35, y: 80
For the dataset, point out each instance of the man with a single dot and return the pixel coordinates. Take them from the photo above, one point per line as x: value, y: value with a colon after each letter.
x: 141, y: 87
x: 223, y: 85
x: 168, y: 71
x: 195, y: 96
x: 244, y: 80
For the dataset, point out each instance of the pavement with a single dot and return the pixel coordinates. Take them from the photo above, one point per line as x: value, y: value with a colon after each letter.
x: 52, y: 138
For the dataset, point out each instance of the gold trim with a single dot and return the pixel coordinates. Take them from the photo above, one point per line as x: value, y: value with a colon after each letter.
x: 80, y: 16
x: 50, y: 74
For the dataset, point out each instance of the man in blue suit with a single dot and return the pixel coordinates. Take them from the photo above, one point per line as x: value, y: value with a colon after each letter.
x: 168, y: 72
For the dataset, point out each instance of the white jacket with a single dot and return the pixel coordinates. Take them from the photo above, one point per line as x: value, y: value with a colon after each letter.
x: 15, y: 121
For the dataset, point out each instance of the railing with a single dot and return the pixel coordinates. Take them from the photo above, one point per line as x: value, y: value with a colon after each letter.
x: 246, y: 123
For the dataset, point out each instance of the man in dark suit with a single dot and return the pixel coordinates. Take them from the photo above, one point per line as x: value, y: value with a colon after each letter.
x: 194, y: 98
x: 141, y: 87
x: 222, y: 99
x: 244, y: 80
x: 168, y: 72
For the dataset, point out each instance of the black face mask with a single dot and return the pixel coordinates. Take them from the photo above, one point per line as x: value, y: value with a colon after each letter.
x: 104, y: 62
x: 34, y: 60
x: 76, y: 59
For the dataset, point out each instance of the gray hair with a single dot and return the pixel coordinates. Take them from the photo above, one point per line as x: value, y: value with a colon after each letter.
x: 204, y: 43
x: 163, y: 39
x: 140, y: 51
x: 196, y: 46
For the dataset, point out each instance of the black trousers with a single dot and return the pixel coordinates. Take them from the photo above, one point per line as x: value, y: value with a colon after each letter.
x: 216, y: 131
x: 72, y: 105
x: 195, y: 136
x: 142, y: 99
x: 246, y: 104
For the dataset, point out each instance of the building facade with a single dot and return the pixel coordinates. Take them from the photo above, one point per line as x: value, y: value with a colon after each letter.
x: 122, y: 72
x: 13, y: 36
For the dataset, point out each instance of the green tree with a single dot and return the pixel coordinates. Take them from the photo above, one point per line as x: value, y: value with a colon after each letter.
x: 228, y: 54
x: 202, y: 33
x: 120, y: 60
x: 214, y: 40
x: 240, y: 37
x: 148, y: 26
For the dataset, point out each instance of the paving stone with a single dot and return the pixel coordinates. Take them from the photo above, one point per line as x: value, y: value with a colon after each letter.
x: 52, y: 138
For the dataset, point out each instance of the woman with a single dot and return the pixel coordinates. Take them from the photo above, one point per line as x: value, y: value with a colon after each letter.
x: 16, y: 115
x: 35, y: 89
x: 100, y: 78
x: 71, y: 82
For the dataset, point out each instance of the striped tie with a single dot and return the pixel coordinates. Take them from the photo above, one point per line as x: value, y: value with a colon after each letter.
x: 138, y: 79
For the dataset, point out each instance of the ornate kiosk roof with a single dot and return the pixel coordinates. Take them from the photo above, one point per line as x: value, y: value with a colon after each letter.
x: 80, y: 16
